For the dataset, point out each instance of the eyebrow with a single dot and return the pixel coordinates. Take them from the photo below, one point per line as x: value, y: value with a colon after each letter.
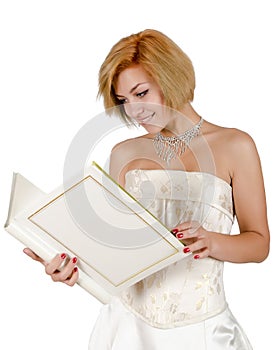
x: 134, y: 88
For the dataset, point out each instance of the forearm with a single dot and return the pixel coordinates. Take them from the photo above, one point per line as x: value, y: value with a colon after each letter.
x: 240, y: 248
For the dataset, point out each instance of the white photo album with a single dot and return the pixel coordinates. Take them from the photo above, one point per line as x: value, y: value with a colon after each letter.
x: 116, y: 240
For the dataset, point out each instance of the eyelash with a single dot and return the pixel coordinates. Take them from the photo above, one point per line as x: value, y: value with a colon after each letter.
x: 143, y: 93
x: 140, y: 94
x: 121, y: 102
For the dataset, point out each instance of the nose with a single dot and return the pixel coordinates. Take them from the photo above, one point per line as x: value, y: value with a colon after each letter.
x: 134, y: 110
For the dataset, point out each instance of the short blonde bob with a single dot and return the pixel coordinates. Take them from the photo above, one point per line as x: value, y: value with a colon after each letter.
x: 166, y: 63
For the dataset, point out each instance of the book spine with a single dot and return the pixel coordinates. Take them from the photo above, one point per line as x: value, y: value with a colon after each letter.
x: 29, y: 240
x: 93, y: 288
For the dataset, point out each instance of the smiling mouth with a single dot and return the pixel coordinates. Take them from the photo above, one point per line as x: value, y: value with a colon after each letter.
x: 146, y: 119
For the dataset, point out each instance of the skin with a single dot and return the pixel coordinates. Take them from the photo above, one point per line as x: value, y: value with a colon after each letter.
x: 69, y: 274
x: 236, y: 162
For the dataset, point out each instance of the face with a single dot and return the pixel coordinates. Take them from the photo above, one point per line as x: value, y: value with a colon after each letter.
x: 142, y: 98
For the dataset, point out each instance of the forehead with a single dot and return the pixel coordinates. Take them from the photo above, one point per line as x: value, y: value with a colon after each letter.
x: 130, y: 77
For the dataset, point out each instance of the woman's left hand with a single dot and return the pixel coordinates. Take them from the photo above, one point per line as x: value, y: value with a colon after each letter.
x: 196, y: 238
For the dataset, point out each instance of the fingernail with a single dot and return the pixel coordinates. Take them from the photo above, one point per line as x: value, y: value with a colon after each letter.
x: 180, y: 235
x: 74, y: 260
x: 174, y: 231
x: 75, y: 269
x: 196, y: 256
x: 186, y: 250
x: 63, y: 256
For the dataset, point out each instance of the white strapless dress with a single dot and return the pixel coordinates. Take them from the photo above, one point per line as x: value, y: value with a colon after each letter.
x: 183, y: 306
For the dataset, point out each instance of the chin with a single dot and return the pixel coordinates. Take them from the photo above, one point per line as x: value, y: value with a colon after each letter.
x: 151, y: 129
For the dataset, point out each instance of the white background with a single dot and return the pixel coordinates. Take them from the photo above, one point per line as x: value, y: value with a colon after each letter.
x: 50, y: 55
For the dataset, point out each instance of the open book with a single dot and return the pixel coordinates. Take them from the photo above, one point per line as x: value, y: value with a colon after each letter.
x: 116, y: 240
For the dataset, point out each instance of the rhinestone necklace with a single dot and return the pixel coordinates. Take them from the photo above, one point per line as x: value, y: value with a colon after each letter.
x: 171, y: 147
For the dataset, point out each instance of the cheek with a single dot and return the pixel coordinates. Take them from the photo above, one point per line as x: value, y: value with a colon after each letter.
x: 134, y: 110
x: 161, y: 98
x: 155, y: 96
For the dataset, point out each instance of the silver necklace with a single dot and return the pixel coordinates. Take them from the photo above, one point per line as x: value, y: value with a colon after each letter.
x: 171, y: 147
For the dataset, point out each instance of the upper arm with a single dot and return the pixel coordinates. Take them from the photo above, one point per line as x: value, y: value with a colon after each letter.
x: 248, y: 186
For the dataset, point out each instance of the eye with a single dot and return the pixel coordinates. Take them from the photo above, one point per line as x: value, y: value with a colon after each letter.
x: 143, y: 93
x: 122, y: 101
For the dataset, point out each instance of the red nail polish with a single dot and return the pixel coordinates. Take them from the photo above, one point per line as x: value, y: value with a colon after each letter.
x: 63, y: 256
x: 186, y: 250
x: 75, y: 269
x: 180, y: 235
x: 196, y: 256
x: 74, y: 260
x: 175, y: 231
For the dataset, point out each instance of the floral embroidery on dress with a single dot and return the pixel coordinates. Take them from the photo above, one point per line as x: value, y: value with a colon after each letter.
x: 187, y: 290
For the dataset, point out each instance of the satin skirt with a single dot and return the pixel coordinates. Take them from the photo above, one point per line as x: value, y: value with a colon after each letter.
x: 118, y: 329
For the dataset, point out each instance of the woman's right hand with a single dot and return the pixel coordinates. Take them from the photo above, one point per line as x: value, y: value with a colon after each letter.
x: 68, y: 274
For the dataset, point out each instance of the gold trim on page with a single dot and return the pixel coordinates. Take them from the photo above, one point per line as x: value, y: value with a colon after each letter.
x: 88, y: 177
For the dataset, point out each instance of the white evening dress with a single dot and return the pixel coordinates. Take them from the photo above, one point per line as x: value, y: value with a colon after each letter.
x: 182, y: 306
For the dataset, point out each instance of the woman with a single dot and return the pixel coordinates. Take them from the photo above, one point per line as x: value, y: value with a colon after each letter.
x: 202, y: 175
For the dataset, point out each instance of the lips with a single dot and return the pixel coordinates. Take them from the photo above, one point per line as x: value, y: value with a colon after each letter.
x: 145, y: 120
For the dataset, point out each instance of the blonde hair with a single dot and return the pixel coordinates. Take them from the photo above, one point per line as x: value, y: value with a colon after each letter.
x: 166, y: 63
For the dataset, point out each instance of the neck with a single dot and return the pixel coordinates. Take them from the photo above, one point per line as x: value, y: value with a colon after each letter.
x: 181, y: 121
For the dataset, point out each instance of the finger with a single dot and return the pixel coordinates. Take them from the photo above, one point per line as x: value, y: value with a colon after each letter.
x: 73, y: 278
x: 202, y: 254
x: 198, y: 254
x: 32, y: 255
x: 188, y: 234
x: 65, y: 273
x: 188, y: 225
x: 198, y: 246
x: 181, y: 227
x: 188, y: 241
x: 55, y: 263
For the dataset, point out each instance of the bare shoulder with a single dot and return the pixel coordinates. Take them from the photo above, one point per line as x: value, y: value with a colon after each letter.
x: 123, y: 149
x: 124, y: 153
x: 231, y: 139
x: 129, y: 145
x: 232, y: 149
x: 243, y: 154
x: 238, y: 136
x: 238, y: 142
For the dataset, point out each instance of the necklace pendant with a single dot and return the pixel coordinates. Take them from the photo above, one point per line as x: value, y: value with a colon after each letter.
x: 168, y: 148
